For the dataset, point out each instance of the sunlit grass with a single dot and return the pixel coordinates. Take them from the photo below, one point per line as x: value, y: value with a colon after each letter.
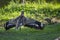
x: 13, y: 9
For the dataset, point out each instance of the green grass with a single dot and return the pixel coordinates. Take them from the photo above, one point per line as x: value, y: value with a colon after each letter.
x: 12, y: 10
x: 49, y: 33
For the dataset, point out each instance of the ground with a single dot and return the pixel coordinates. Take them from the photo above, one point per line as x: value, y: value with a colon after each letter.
x: 50, y: 32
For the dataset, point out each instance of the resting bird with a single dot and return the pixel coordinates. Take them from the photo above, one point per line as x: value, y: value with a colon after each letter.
x: 23, y: 21
x: 36, y: 25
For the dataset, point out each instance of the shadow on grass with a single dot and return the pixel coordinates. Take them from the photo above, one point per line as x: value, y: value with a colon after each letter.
x: 49, y: 33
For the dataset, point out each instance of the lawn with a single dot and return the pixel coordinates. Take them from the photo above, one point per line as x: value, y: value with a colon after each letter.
x: 50, y: 32
x: 38, y: 11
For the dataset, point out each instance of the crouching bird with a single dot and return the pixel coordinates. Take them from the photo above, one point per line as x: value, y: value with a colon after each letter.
x: 36, y: 25
x: 23, y: 21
